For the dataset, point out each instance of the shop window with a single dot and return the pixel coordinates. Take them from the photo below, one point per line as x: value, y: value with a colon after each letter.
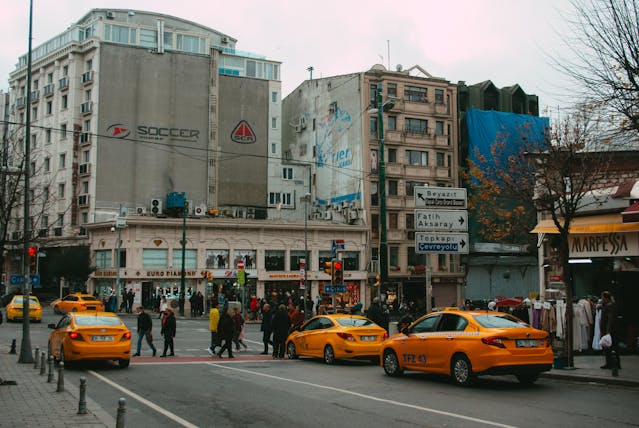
x: 295, y: 258
x: 153, y: 258
x: 351, y: 260
x: 190, y: 258
x: 274, y: 260
x: 103, y: 259
x: 217, y: 259
x: 248, y: 256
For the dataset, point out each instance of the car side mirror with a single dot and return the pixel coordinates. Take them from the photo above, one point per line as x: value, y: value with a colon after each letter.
x: 51, y: 325
x: 406, y: 331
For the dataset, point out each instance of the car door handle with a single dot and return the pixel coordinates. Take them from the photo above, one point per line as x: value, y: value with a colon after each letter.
x: 450, y: 338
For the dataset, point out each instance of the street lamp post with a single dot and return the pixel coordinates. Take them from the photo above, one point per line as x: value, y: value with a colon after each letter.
x: 182, y: 271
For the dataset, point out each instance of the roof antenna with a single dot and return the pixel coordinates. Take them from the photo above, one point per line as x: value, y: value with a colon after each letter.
x: 310, y: 69
x: 388, y: 49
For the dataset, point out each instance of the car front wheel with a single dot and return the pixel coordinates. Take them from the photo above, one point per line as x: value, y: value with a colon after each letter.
x: 528, y: 378
x: 329, y: 355
x: 123, y: 364
x: 391, y: 363
x: 462, y: 371
x: 291, y: 351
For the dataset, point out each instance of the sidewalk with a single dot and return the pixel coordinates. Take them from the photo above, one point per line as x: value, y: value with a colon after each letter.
x: 33, y: 402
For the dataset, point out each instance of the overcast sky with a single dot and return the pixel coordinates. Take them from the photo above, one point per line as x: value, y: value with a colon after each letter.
x: 504, y: 41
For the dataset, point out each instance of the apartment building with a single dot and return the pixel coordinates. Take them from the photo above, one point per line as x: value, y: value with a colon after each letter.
x: 332, y: 127
x: 130, y: 108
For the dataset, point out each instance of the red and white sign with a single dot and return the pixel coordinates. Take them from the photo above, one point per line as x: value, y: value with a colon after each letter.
x: 240, y: 264
x: 302, y: 271
x: 243, y: 133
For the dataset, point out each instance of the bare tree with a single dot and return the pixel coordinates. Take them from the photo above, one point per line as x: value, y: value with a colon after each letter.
x: 605, y: 45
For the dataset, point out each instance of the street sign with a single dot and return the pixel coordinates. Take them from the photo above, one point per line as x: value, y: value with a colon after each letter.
x: 433, y: 242
x: 16, y: 279
x: 240, y: 264
x: 337, y: 247
x: 329, y: 288
x: 442, y: 220
x: 35, y: 280
x: 440, y: 197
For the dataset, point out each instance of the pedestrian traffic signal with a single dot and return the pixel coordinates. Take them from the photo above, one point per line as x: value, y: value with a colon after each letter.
x: 328, y: 268
x: 33, y: 259
x: 338, y: 272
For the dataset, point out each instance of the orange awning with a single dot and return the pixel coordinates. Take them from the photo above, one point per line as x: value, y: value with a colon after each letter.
x: 591, y: 224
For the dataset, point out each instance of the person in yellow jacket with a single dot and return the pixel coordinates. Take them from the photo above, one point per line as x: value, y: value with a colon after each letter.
x: 214, y: 320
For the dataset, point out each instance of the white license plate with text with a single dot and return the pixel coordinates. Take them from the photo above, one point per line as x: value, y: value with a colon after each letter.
x: 526, y: 343
x: 102, y: 338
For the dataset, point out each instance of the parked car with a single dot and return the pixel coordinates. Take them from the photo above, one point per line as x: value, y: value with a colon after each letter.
x: 77, y: 302
x: 466, y: 344
x: 91, y: 335
x: 15, y: 308
x: 336, y: 336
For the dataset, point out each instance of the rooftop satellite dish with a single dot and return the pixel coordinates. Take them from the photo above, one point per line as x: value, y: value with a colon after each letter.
x: 399, y: 67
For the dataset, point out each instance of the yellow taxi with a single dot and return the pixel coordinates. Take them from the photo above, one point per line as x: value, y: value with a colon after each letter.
x: 336, y: 336
x: 15, y: 309
x: 89, y: 335
x: 466, y: 344
x: 77, y: 302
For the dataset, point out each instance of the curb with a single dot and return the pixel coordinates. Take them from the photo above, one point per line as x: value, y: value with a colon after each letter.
x: 592, y: 379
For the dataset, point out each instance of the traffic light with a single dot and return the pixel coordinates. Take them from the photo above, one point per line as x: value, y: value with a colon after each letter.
x: 328, y: 268
x: 33, y: 259
x: 338, y: 272
x: 378, y: 281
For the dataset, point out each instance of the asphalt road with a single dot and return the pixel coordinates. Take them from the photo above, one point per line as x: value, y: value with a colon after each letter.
x: 191, y: 391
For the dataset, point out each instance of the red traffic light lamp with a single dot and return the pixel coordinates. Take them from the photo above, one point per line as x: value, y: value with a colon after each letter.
x: 338, y: 272
x: 32, y: 251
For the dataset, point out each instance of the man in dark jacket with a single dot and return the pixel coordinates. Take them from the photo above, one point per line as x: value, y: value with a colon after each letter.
x: 169, y: 327
x: 266, y: 328
x: 374, y: 312
x: 609, y: 326
x: 281, y: 323
x: 145, y: 325
x: 226, y: 331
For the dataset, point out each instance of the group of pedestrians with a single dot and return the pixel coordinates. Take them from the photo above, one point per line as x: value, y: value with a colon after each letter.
x: 227, y: 330
x: 145, y: 330
x: 197, y: 304
x: 279, y: 322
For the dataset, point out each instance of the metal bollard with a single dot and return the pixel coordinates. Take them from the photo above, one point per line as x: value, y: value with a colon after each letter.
x: 43, y: 365
x: 36, y: 360
x: 50, y: 376
x: 13, y: 347
x: 60, y: 377
x: 615, y: 363
x: 120, y: 420
x: 82, y: 405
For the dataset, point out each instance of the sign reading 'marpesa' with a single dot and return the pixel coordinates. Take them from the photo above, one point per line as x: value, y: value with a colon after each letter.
x: 604, y: 245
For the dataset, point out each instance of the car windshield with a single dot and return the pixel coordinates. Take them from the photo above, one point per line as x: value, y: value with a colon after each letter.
x: 354, y: 322
x: 497, y: 320
x: 97, y: 320
x: 89, y: 298
x: 20, y: 300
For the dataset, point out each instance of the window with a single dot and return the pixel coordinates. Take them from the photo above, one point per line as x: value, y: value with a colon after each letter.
x: 60, y: 221
x: 373, y: 93
x: 250, y: 68
x: 148, y: 38
x: 61, y: 190
x: 286, y: 199
x: 119, y: 34
x: 45, y: 197
x: 374, y: 195
x: 410, y: 221
x: 287, y: 173
x: 84, y: 218
x: 426, y: 325
x: 103, y: 259
x: 168, y: 40
x: 392, y: 155
x: 392, y: 187
x: 441, y: 262
x: 392, y: 123
x: 65, y: 70
x: 190, y: 44
x: 274, y: 198
x: 47, y: 136
x: 373, y: 126
x: 393, y: 253
x: 440, y: 159
x: 49, y: 77
x: 274, y: 260
x: 295, y: 258
x: 63, y: 131
x: 439, y: 127
x: 351, y: 260
x: 62, y: 161
x: 274, y: 96
x: 274, y: 123
x: 153, y: 258
x: 391, y: 90
x: 416, y: 126
x: 34, y: 113
x: 85, y: 156
x: 49, y: 107
x: 247, y: 255
x: 190, y: 258
x: 273, y: 148
x: 415, y: 94
x: 64, y: 101
x: 439, y: 96
x: 34, y: 141
x: 374, y: 226
x: 414, y: 157
x: 87, y: 125
x: 415, y: 259
x: 410, y: 187
x: 32, y: 169
x: 392, y: 220
x: 217, y: 259
x: 47, y: 164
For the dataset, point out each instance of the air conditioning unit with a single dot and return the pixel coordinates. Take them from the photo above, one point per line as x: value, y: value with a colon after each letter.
x: 156, y: 206
x: 110, y: 15
x: 190, y: 207
x: 224, y: 39
x: 328, y: 215
x: 199, y: 210
x: 140, y: 210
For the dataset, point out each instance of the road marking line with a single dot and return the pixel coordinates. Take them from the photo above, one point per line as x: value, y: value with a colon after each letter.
x: 368, y: 397
x: 144, y: 401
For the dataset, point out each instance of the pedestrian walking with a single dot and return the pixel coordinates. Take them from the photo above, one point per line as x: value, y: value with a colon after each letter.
x: 130, y: 297
x: 609, y: 326
x: 238, y: 337
x: 226, y: 330
x: 145, y: 327
x: 214, y: 320
x: 374, y: 312
x: 281, y: 324
x: 266, y: 328
x: 169, y: 327
x: 163, y: 306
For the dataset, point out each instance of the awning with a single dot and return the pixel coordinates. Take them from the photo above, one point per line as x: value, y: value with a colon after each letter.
x: 590, y: 224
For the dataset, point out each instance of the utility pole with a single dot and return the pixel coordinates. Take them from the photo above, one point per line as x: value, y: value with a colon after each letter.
x: 182, y: 272
x: 383, y: 245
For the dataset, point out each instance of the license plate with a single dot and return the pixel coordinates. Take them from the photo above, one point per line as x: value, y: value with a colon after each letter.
x: 102, y: 338
x: 526, y: 343
x: 91, y: 308
x: 368, y: 338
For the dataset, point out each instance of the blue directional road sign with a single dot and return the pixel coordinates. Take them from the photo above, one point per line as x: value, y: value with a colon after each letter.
x: 328, y: 289
x: 16, y: 279
x: 35, y: 280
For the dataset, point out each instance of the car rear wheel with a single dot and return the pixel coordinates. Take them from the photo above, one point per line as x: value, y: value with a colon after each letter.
x: 527, y: 378
x: 329, y: 355
x: 462, y: 371
x: 291, y: 351
x: 123, y: 364
x: 391, y: 363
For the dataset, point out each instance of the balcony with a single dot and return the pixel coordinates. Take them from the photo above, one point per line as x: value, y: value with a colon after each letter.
x: 20, y: 101
x: 83, y: 200
x: 87, y: 77
x: 84, y: 169
x: 85, y: 138
x: 35, y: 96
x: 57, y: 231
x: 87, y: 107
x: 63, y: 83
x: 48, y: 90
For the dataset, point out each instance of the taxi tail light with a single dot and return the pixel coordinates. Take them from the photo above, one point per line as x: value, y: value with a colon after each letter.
x: 346, y: 336
x: 385, y: 336
x: 126, y: 336
x: 497, y: 341
x: 74, y: 335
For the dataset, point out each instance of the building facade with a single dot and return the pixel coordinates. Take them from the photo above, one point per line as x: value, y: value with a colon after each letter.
x: 331, y: 127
